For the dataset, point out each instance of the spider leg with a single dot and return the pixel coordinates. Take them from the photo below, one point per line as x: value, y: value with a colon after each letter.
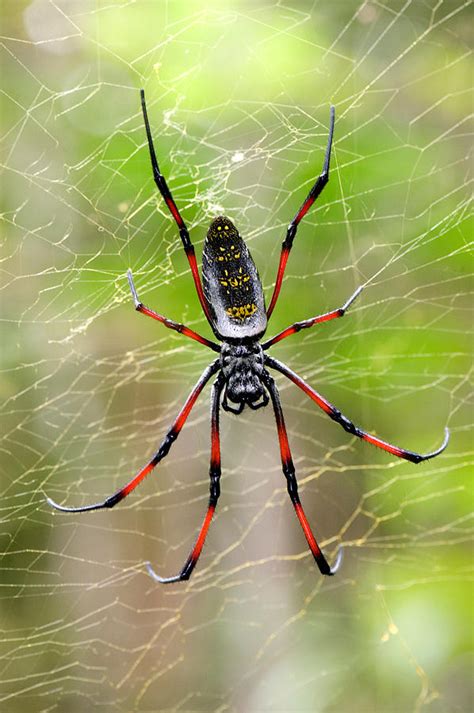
x: 214, y: 474
x: 346, y: 424
x: 292, y: 484
x: 181, y: 328
x: 315, y: 191
x: 298, y: 326
x: 163, y: 450
x: 169, y: 200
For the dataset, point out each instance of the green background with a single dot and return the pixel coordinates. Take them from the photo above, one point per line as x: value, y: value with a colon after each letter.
x: 239, y: 96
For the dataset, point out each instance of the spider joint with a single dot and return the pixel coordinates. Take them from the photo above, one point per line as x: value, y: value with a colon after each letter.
x: 292, y: 486
x: 347, y: 425
x: 113, y: 499
x: 290, y: 235
x: 215, y: 475
x: 184, y: 235
x: 187, y: 571
x: 215, y: 492
x: 160, y: 181
x: 168, y: 441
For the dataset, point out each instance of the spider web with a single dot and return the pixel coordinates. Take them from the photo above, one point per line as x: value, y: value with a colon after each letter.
x: 239, y: 97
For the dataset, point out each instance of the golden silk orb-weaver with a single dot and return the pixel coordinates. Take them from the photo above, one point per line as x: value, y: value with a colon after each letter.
x: 232, y: 299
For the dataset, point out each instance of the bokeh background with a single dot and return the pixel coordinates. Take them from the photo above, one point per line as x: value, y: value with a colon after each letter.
x: 239, y: 95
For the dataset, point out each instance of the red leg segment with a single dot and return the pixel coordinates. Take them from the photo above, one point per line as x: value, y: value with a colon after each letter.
x: 169, y: 200
x: 298, y: 326
x: 292, y: 485
x: 284, y: 255
x: 346, y: 424
x: 214, y: 474
x: 163, y: 450
x: 181, y: 328
x: 315, y: 191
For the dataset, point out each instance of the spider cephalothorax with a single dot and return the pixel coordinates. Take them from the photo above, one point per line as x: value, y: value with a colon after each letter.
x: 231, y: 297
x: 242, y: 368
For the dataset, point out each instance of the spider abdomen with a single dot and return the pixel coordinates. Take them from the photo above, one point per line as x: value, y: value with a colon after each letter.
x: 231, y: 284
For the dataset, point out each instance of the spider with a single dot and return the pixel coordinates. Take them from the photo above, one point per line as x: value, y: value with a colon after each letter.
x: 232, y: 299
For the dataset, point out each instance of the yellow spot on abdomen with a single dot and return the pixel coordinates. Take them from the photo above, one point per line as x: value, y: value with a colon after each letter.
x: 241, y: 312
